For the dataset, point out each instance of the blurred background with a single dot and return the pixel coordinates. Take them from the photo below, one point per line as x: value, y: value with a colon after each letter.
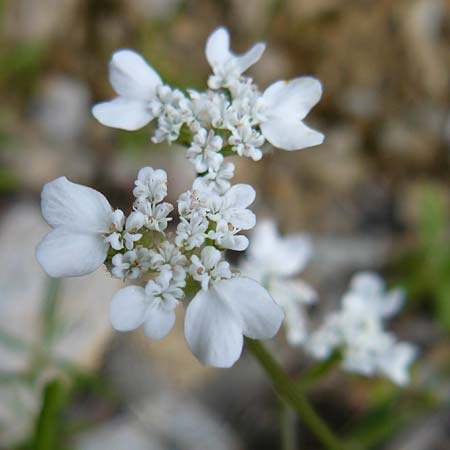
x: 374, y: 196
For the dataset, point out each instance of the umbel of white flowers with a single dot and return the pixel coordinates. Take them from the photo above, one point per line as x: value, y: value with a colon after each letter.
x: 358, y: 331
x: 232, y: 117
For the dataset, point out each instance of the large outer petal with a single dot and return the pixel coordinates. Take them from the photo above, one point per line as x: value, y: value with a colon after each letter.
x: 290, y: 134
x: 64, y: 253
x: 131, y: 76
x: 74, y: 206
x: 250, y: 57
x: 123, y: 113
x: 158, y: 322
x: 292, y: 98
x: 128, y: 308
x: 218, y: 47
x: 259, y: 315
x: 212, y: 331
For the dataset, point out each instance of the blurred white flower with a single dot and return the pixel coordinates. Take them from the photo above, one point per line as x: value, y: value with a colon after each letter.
x: 274, y: 261
x: 286, y: 104
x: 151, y: 185
x: 136, y: 83
x: 204, y: 151
x: 358, y: 331
x: 226, y: 65
x: 218, y: 318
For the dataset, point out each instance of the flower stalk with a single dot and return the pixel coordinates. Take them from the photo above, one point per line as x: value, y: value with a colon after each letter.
x: 287, y: 390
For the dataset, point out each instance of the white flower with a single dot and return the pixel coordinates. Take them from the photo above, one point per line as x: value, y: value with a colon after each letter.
x: 134, y: 223
x: 232, y: 206
x: 367, y: 295
x: 81, y: 217
x: 217, y: 319
x: 396, y: 361
x: 286, y: 104
x: 225, y: 236
x: 209, y: 268
x: 204, y: 151
x: 273, y: 260
x: 216, y: 180
x: 151, y: 185
x: 135, y: 82
x: 152, y: 306
x: 115, y: 239
x: 226, y: 65
x: 358, y: 331
x: 191, y: 233
x: 155, y: 215
x: 167, y: 254
x: 245, y: 141
x: 125, y: 266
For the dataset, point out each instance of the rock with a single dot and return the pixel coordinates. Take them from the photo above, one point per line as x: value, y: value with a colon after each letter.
x: 153, y: 9
x: 61, y: 109
x: 82, y: 319
x: 40, y: 20
x: 119, y: 434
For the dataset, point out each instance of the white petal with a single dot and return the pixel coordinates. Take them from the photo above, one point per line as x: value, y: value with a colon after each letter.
x: 131, y: 76
x: 243, y: 219
x: 122, y: 113
x: 296, y: 250
x: 250, y: 57
x: 236, y: 243
x: 127, y: 309
x: 212, y: 332
x: 293, y: 98
x: 158, y: 322
x: 393, y: 302
x: 65, y: 253
x: 259, y: 315
x: 240, y: 195
x: 75, y: 206
x: 290, y: 134
x: 218, y: 47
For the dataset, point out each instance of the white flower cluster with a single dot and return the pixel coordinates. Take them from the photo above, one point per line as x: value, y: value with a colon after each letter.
x: 231, y: 117
x: 276, y: 262
x: 87, y: 233
x: 357, y: 330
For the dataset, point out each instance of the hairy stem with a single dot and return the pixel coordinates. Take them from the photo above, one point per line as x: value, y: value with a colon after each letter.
x: 289, y: 392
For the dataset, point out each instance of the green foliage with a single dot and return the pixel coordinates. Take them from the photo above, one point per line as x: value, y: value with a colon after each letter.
x: 426, y: 270
x: 21, y: 65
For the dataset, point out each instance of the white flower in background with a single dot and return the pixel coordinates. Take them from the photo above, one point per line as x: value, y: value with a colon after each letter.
x: 217, y: 319
x: 136, y: 84
x: 226, y: 65
x: 209, y: 268
x: 167, y: 255
x: 286, y: 104
x: 204, y: 151
x: 358, y: 331
x: 274, y: 261
x: 81, y: 218
x: 153, y: 307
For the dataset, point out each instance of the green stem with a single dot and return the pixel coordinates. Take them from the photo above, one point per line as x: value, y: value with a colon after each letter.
x: 287, y: 427
x: 289, y: 392
x: 316, y: 372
